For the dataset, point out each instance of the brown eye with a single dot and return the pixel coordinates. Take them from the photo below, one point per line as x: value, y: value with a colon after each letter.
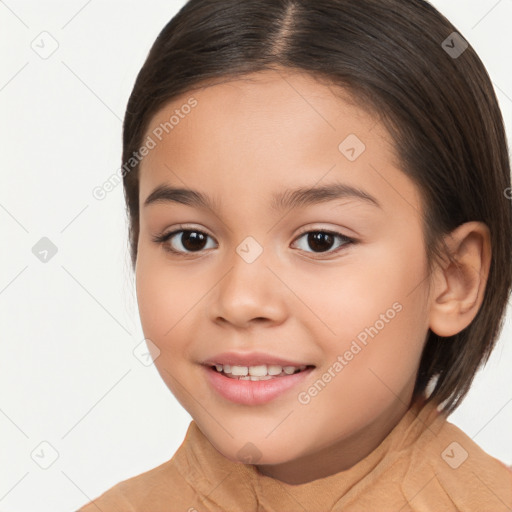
x: 323, y: 241
x: 183, y: 241
x: 193, y: 240
x: 320, y: 241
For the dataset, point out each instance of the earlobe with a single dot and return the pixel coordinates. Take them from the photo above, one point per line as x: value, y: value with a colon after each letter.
x: 459, y: 284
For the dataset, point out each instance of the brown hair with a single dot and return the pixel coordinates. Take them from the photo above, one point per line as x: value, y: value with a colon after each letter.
x: 439, y: 107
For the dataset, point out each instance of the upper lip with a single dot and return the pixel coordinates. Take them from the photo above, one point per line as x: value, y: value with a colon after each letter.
x: 251, y: 359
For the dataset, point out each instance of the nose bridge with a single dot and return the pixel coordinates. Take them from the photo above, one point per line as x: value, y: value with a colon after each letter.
x: 248, y: 290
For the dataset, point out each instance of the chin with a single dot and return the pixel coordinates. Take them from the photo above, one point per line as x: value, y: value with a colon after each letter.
x: 252, y: 453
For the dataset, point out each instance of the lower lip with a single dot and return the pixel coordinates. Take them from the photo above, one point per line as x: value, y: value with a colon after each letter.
x: 253, y: 392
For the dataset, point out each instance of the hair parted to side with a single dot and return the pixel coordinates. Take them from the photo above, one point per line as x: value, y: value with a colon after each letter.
x: 442, y: 113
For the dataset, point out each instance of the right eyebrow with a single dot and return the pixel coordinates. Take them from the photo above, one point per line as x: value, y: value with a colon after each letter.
x: 164, y: 194
x: 305, y: 196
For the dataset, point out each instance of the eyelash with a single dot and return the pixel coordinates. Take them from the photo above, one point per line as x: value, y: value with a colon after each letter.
x: 165, y: 237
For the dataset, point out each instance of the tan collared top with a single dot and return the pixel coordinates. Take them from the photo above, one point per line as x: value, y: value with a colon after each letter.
x: 424, y: 464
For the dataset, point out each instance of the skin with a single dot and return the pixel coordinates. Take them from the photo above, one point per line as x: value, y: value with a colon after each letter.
x: 245, y: 140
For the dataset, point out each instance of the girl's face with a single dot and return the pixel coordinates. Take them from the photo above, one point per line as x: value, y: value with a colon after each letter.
x: 254, y: 270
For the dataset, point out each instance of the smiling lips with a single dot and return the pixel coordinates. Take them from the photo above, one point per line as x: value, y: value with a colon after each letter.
x: 255, y: 378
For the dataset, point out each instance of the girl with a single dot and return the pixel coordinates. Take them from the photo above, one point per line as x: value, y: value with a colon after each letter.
x: 321, y: 239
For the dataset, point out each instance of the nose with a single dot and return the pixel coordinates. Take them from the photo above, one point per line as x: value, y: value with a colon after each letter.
x: 249, y: 293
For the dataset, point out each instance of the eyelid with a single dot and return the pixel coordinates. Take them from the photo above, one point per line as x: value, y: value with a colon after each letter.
x: 323, y: 229
x: 182, y: 227
x: 337, y: 231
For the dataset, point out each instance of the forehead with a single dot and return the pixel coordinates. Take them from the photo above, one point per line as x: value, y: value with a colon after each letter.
x: 266, y: 131
x: 267, y: 103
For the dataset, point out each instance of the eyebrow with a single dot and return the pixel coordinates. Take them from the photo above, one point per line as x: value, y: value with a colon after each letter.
x: 287, y: 200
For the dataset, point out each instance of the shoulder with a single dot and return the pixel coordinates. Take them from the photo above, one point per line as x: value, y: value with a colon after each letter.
x: 184, y: 483
x: 447, y: 462
x: 151, y: 490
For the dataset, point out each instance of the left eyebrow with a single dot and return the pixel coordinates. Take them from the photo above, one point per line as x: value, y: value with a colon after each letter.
x: 289, y: 199
x: 305, y: 196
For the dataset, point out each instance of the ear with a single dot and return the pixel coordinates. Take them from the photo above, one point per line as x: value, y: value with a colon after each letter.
x: 459, y: 285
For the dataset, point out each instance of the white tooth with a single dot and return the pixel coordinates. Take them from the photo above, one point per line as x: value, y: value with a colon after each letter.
x: 258, y: 371
x: 245, y: 378
x: 273, y: 369
x: 239, y: 370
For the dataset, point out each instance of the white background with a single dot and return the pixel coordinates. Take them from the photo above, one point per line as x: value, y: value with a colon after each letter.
x: 68, y: 376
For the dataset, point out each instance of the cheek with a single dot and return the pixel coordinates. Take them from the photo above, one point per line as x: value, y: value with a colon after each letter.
x: 365, y: 285
x: 369, y: 367
x: 376, y: 312
x: 154, y: 296
x: 165, y: 299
